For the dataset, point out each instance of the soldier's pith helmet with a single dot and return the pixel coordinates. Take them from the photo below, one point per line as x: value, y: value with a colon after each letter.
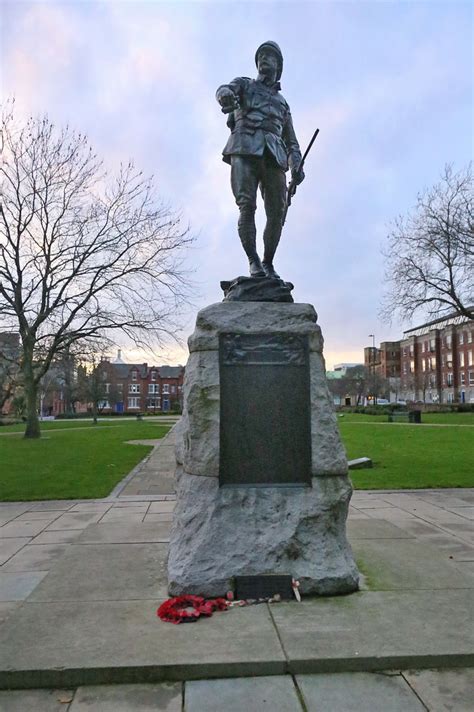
x: 275, y: 48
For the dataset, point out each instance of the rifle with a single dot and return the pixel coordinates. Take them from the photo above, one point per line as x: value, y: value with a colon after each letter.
x: 293, y: 183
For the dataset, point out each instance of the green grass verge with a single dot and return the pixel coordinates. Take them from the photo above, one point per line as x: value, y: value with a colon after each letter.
x: 410, y: 456
x: 71, y: 463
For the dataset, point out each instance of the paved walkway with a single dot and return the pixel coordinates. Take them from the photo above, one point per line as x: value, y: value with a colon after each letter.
x: 80, y: 582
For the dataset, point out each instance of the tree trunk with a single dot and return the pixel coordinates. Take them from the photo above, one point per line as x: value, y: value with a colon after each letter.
x: 94, y: 412
x: 31, y: 397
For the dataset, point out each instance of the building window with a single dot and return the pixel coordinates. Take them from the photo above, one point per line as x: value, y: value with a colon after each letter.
x: 469, y: 358
x: 153, y: 375
x: 404, y: 369
x: 412, y: 367
x: 461, y: 359
x: 462, y: 378
x: 450, y: 397
x: 173, y: 389
x: 166, y: 387
x: 433, y: 363
x: 134, y: 402
x: 134, y: 375
x: 432, y: 344
x: 471, y: 378
x: 449, y: 379
x: 134, y: 388
x: 107, y: 387
x: 461, y: 338
x: 423, y: 365
x: 469, y: 337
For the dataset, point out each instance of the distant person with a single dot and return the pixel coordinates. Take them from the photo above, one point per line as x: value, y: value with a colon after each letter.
x: 261, y: 147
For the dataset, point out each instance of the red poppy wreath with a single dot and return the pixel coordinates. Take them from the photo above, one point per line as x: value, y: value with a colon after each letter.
x: 187, y: 609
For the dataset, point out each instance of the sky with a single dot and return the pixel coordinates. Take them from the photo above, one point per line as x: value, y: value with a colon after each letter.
x: 389, y: 85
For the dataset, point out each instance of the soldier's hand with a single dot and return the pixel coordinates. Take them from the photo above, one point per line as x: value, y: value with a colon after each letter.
x: 228, y: 101
x: 297, y: 176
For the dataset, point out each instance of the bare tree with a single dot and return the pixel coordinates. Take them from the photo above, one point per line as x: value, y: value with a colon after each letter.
x: 82, y: 255
x: 430, y: 252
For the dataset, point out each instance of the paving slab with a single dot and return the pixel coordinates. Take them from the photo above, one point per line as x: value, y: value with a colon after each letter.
x: 162, y: 507
x: 91, y: 507
x: 369, y: 502
x: 391, y: 514
x: 374, y: 529
x: 164, y: 697
x: 126, y: 533
x: 18, y: 586
x: 466, y: 512
x: 392, y: 564
x: 122, y: 516
x: 357, y: 691
x: 40, y: 514
x: 103, y: 642
x: 75, y: 520
x: 250, y: 694
x: 35, y: 700
x: 15, y: 530
x: 9, y: 547
x: 155, y: 517
x: 377, y: 630
x: 106, y: 572
x: 6, y: 609
x: 462, y: 529
x: 53, y: 505
x: 35, y: 558
x: 60, y: 536
x: 444, y: 690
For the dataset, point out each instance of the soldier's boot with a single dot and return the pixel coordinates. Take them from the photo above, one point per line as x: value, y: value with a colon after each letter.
x: 271, y: 238
x: 248, y: 234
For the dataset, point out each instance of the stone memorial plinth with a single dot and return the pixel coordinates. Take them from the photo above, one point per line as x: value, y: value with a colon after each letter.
x: 262, y: 485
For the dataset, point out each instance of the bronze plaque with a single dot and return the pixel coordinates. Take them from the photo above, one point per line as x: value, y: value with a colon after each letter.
x: 265, y: 423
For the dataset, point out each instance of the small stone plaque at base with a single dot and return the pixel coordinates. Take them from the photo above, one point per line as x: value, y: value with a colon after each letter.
x: 246, y: 587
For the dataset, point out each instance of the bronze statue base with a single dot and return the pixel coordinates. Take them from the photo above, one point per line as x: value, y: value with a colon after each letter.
x: 257, y: 289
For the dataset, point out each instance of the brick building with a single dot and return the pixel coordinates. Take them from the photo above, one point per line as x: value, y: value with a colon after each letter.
x: 385, y: 359
x: 139, y: 388
x: 437, y: 361
x: 433, y: 363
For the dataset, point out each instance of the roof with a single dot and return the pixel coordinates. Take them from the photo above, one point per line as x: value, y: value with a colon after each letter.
x: 170, y: 371
x: 448, y: 320
x: 123, y: 370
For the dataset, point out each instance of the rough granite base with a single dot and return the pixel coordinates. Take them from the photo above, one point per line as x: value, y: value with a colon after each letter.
x: 221, y: 532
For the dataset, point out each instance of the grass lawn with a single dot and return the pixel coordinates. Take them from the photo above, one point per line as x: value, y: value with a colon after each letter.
x: 411, y: 456
x: 73, y: 460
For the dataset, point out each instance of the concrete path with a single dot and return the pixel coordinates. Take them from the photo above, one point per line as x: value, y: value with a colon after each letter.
x: 80, y: 582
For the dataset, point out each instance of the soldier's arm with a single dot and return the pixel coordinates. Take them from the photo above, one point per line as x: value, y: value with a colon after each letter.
x: 292, y: 147
x: 229, y: 95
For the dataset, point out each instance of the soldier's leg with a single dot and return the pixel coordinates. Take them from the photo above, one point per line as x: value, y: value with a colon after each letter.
x: 274, y: 195
x: 244, y: 181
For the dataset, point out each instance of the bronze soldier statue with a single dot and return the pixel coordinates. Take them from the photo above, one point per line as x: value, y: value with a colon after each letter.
x: 261, y: 147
